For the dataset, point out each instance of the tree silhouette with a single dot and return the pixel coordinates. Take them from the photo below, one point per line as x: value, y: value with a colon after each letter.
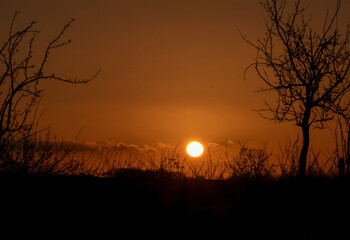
x: 307, y: 68
x: 20, y: 76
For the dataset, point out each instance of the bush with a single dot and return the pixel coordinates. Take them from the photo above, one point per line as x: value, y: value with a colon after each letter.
x: 251, y: 163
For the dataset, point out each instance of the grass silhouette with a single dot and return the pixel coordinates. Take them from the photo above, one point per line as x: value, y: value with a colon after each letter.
x: 277, y: 208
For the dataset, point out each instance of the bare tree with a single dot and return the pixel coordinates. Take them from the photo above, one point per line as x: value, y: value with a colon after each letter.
x: 20, y: 76
x: 307, y: 68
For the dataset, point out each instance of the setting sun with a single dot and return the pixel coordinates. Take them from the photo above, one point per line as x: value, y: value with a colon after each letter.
x: 194, y: 149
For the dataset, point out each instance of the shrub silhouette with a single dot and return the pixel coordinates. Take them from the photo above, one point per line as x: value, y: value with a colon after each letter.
x: 253, y: 163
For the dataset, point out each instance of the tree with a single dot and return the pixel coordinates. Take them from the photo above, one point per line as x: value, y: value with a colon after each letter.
x: 306, y: 68
x: 20, y: 76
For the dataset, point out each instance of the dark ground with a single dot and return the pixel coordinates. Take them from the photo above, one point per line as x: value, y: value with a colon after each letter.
x: 141, y: 204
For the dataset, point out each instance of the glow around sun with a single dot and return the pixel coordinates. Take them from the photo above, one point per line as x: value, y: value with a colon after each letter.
x: 194, y: 149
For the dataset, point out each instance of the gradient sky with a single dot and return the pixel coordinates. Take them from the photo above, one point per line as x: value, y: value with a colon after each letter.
x: 171, y: 70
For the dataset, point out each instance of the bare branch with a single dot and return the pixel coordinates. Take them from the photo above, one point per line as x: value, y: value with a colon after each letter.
x: 308, y: 70
x: 19, y: 81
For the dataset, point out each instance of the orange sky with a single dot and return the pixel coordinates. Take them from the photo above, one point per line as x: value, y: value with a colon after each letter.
x: 171, y: 70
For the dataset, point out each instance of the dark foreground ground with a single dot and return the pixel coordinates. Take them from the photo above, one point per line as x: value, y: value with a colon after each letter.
x: 143, y: 205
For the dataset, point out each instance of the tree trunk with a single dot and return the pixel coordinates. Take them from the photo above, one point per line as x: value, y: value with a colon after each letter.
x: 306, y: 142
x: 347, y: 152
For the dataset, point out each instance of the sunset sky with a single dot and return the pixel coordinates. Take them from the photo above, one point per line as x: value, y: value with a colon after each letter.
x: 172, y: 70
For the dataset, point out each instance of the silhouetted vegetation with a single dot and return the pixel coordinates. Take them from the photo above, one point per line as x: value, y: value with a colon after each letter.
x: 307, y: 69
x: 160, y: 201
x: 249, y: 193
x: 22, y: 148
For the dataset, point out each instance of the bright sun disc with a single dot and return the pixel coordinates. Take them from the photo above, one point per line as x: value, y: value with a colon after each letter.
x: 194, y: 149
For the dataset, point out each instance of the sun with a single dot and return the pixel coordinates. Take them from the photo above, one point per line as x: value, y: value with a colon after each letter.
x: 194, y: 149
